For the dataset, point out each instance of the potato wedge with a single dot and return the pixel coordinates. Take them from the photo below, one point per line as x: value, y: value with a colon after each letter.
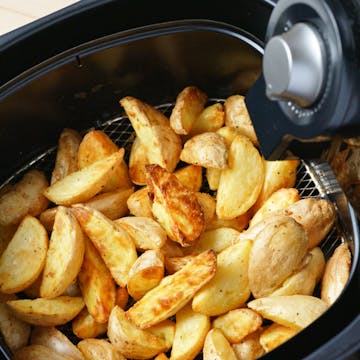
x: 83, y: 184
x: 96, y: 284
x: 96, y: 349
x: 113, y: 243
x: 277, y: 252
x: 131, y: 341
x: 336, y: 275
x: 24, y: 198
x: 217, y: 347
x: 208, y: 206
x: 163, y: 145
x: 174, y: 264
x: 189, y: 104
x: 24, y: 258
x: 84, y: 326
x: 161, y: 356
x: 229, y: 288
x: 249, y: 348
x: 47, y: 312
x: 238, y: 223
x: 65, y: 254
x: 172, y: 248
x: 176, y: 208
x: 95, y: 146
x: 121, y: 297
x: 145, y: 232
x: 241, y: 183
x: 137, y: 160
x: 208, y: 150
x: 39, y: 352
x: 238, y: 323
x: 190, y: 332
x: 165, y: 330
x: 139, y: 203
x: 275, y: 335
x: 146, y: 273
x: 66, y: 155
x: 173, y: 292
x: 278, y: 174
x: 190, y: 176
x: 294, y: 311
x: 55, y: 340
x: 236, y: 115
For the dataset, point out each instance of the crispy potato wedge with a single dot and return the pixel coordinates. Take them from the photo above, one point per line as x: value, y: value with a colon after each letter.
x: 278, y: 200
x: 336, y: 275
x: 96, y: 349
x: 241, y: 183
x: 84, y: 326
x: 217, y: 347
x: 95, y: 146
x: 137, y: 160
x: 237, y: 116
x: 39, y: 352
x: 275, y: 335
x: 165, y: 330
x: 163, y: 145
x: 294, y: 311
x: 146, y: 273
x: 277, y: 252
x: 208, y: 206
x: 83, y: 184
x: 139, y: 203
x: 238, y: 223
x: 189, y: 104
x: 173, y: 292
x: 174, y: 264
x: 24, y: 198
x: 176, y: 208
x: 145, y: 232
x: 249, y: 348
x: 55, y: 340
x: 229, y: 288
x: 130, y: 340
x: 278, y: 174
x: 238, y: 323
x: 190, y: 176
x: 303, y: 282
x: 66, y: 155
x: 208, y: 150
x: 190, y: 332
x: 121, y: 297
x: 24, y: 258
x: 47, y: 312
x: 317, y: 216
x: 96, y: 284
x: 65, y: 254
x: 113, y: 243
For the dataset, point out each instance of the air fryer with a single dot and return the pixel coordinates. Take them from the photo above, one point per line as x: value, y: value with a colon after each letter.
x: 71, y: 68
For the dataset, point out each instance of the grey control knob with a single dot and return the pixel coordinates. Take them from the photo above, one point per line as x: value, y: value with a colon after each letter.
x: 294, y: 65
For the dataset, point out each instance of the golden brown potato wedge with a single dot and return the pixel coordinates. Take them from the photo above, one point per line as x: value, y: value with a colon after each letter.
x: 84, y: 326
x: 39, y: 352
x: 208, y: 150
x: 139, y: 203
x: 95, y: 146
x: 173, y: 292
x: 122, y: 297
x: 65, y: 254
x: 172, y: 248
x: 24, y: 198
x: 249, y: 348
x: 174, y: 264
x: 277, y: 252
x: 66, y: 155
x: 145, y: 232
x: 161, y: 356
x: 278, y: 174
x: 176, y: 208
x: 294, y: 311
x: 163, y: 145
x: 47, y: 312
x: 83, y: 184
x: 24, y: 258
x: 190, y: 332
x: 165, y: 330
x: 113, y: 243
x: 137, y: 160
x: 146, y: 273
x: 96, y: 284
x: 96, y: 349
x: 237, y: 116
x: 189, y: 104
x: 238, y: 323
x: 190, y: 176
x: 208, y: 206
x: 55, y: 340
x: 336, y: 275
x: 229, y: 288
x: 241, y: 183
x: 130, y: 340
x: 217, y: 347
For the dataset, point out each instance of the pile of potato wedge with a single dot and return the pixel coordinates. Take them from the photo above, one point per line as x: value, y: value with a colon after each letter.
x: 195, y: 247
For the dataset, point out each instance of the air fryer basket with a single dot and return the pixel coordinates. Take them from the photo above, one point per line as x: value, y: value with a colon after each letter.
x: 81, y: 86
